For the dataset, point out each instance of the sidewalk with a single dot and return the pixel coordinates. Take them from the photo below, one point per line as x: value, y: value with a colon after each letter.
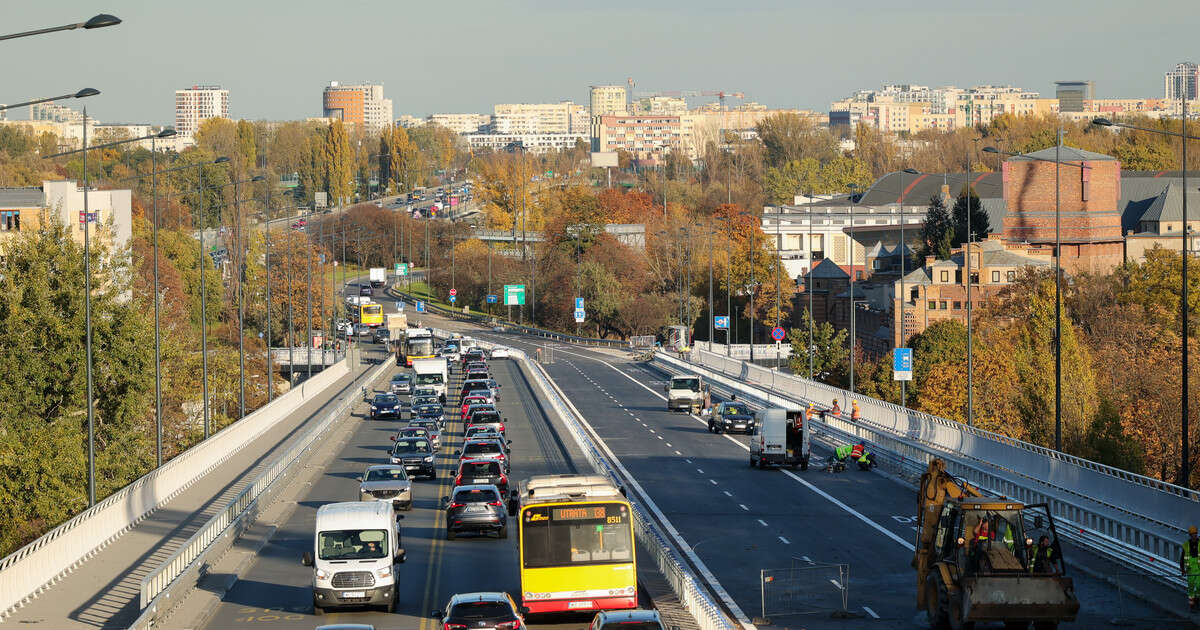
x: 103, y: 592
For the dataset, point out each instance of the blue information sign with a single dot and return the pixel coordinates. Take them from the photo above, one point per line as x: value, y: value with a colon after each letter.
x: 721, y: 322
x: 453, y: 299
x: 902, y: 364
x: 491, y: 299
x: 420, y: 306
x: 579, y: 304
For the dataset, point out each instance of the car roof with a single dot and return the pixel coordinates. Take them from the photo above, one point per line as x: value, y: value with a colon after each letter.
x: 460, y: 598
x: 385, y: 467
x: 478, y: 460
x: 631, y: 615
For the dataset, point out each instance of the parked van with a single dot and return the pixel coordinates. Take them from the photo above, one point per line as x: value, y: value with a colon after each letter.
x: 780, y: 437
x: 356, y: 547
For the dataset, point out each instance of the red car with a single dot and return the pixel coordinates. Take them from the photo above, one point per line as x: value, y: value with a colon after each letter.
x: 471, y: 400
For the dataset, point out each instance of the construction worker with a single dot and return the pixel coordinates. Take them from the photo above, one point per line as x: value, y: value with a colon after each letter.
x: 981, y: 536
x: 854, y: 414
x: 1044, y: 558
x: 810, y: 412
x: 1189, y: 567
x: 835, y: 410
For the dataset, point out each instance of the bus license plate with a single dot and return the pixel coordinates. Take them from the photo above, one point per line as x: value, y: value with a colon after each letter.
x: 579, y: 605
x: 353, y: 594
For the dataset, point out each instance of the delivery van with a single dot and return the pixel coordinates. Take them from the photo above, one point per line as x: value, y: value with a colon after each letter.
x: 356, y: 550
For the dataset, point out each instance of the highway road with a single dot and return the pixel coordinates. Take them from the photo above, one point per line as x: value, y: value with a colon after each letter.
x: 740, y: 520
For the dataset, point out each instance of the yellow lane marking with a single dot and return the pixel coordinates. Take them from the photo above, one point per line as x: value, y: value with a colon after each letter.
x: 434, y: 571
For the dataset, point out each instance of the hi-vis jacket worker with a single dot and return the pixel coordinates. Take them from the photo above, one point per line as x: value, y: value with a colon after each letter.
x: 854, y: 415
x: 1189, y: 566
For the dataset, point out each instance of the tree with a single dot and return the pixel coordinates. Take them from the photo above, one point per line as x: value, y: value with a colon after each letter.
x: 980, y: 224
x: 247, y: 147
x: 797, y: 176
x: 790, y: 137
x: 338, y: 164
x: 830, y: 353
x: 937, y: 232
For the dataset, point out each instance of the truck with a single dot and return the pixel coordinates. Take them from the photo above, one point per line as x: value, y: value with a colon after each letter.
x: 397, y: 324
x: 975, y: 558
x: 378, y: 277
x: 432, y: 373
x: 780, y: 437
x: 355, y: 554
x: 687, y: 392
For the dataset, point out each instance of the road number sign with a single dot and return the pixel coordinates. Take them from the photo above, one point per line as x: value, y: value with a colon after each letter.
x: 580, y: 315
x: 491, y: 299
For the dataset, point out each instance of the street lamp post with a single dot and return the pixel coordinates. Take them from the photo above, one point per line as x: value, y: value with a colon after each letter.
x: 711, y: 233
x: 98, y: 21
x: 853, y: 317
x: 1057, y: 161
x: 853, y: 311
x: 903, y: 248
x: 753, y: 286
x: 809, y: 284
x: 84, y: 93
x: 241, y: 243
x: 1185, y: 469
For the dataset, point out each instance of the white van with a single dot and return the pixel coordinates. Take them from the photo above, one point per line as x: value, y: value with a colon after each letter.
x: 780, y: 437
x: 432, y: 373
x: 356, y: 550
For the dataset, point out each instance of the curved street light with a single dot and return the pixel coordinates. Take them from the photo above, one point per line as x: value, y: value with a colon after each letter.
x: 98, y: 21
x: 84, y: 93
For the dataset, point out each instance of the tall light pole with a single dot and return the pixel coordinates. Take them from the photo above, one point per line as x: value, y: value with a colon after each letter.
x: 241, y: 296
x: 853, y: 310
x: 1185, y: 250
x: 967, y: 264
x: 778, y: 282
x: 903, y: 248
x: 1057, y: 161
x: 84, y: 93
x: 98, y: 21
x: 809, y: 284
x: 711, y: 233
x: 753, y: 283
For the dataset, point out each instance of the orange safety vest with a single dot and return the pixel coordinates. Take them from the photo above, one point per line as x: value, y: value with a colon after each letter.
x: 854, y: 412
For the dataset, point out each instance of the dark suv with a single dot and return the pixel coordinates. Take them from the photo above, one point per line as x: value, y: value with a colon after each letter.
x: 476, y: 508
x: 482, y: 471
x: 481, y: 610
x: 415, y: 454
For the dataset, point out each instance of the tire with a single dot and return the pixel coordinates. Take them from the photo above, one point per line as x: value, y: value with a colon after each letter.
x: 753, y: 462
x: 804, y: 465
x: 390, y: 607
x: 503, y: 532
x: 936, y: 603
x: 318, y: 611
x: 1045, y: 625
x: 449, y: 534
x: 717, y: 430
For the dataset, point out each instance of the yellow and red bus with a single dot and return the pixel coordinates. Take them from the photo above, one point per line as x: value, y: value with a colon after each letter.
x: 418, y: 344
x: 370, y: 314
x: 576, y: 545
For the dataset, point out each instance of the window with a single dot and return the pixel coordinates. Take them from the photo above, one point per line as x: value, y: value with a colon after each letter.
x: 974, y: 277
x: 995, y: 276
x: 858, y: 275
x: 10, y: 220
x: 932, y: 305
x: 957, y: 305
x: 914, y: 294
x: 958, y: 276
x: 945, y: 276
x: 943, y: 305
x: 1012, y: 275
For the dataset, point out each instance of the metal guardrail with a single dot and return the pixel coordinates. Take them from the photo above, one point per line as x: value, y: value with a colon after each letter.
x: 156, y: 587
x: 1145, y: 545
x: 693, y: 596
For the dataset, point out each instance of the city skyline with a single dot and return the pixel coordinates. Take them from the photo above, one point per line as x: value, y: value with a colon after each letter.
x: 463, y: 68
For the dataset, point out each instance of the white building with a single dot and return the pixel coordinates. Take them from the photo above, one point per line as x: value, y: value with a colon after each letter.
x: 1184, y: 79
x: 197, y: 104
x: 532, y: 142
x: 607, y: 100
x: 533, y: 118
x: 461, y: 123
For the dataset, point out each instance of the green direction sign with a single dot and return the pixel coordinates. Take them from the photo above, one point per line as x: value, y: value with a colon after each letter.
x: 401, y: 269
x: 514, y: 294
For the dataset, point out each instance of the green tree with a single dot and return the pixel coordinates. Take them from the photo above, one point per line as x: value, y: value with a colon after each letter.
x: 830, y: 352
x: 790, y: 137
x: 1108, y: 444
x: 840, y: 173
x: 795, y: 177
x: 980, y: 224
x: 247, y: 145
x: 338, y: 162
x: 937, y: 232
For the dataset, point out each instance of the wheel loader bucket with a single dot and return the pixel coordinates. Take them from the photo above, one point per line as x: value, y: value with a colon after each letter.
x: 1019, y: 597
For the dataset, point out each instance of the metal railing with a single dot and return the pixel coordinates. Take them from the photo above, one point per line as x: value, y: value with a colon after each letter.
x: 692, y: 595
x: 233, y: 519
x: 1111, y: 532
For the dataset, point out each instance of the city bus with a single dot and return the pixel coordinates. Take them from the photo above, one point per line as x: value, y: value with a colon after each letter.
x: 576, y: 545
x: 418, y: 344
x: 369, y: 314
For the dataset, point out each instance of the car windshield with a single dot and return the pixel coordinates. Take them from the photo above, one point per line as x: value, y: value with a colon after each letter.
x: 486, y: 417
x: 401, y: 378
x: 476, y: 495
x: 482, y: 448
x: 411, y: 445
x: 352, y: 544
x: 632, y: 625
x: 429, y: 379
x: 480, y: 610
x: 736, y: 410
x: 686, y: 383
x: 414, y: 432
x: 481, y: 469
x: 473, y: 385
x: 386, y: 474
x: 386, y: 399
x: 431, y: 409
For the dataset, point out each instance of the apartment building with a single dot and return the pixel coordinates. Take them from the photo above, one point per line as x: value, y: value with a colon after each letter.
x: 27, y: 208
x: 1072, y: 95
x: 196, y: 104
x: 53, y: 112
x: 607, y: 100
x: 904, y: 108
x: 530, y: 142
x: 1182, y: 81
x: 660, y: 105
x: 533, y: 118
x: 645, y: 137
x: 362, y: 105
x: 460, y: 123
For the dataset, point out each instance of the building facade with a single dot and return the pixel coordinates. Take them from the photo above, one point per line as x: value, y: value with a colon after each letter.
x: 607, y: 100
x: 1073, y: 95
x: 27, y: 209
x: 196, y: 104
x: 532, y: 118
x: 531, y: 142
x: 460, y: 123
x: 1182, y: 81
x: 644, y: 137
x: 362, y: 105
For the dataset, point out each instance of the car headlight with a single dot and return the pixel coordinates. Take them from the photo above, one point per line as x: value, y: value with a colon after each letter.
x: 322, y: 575
x: 384, y: 572
x: 428, y: 459
x: 374, y: 408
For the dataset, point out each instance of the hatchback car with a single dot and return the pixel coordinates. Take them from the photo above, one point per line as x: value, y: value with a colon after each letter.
x: 380, y: 335
x: 481, y: 432
x: 500, y: 352
x: 450, y: 353
x: 401, y: 384
x: 431, y: 429
x: 485, y: 449
x: 731, y: 417
x: 470, y: 401
x: 476, y: 508
x: 386, y: 406
x: 386, y: 482
x: 424, y: 390
x: 478, y: 385
x: 415, y: 454
x: 487, y: 418
x: 481, y: 471
x: 628, y: 620
x: 365, y: 289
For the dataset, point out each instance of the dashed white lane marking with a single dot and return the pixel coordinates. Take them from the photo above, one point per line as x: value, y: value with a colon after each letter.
x: 743, y: 507
x: 806, y: 559
x: 785, y: 541
x: 712, y: 482
x: 678, y: 453
x: 873, y: 614
x: 668, y: 445
x: 652, y: 431
x: 727, y: 493
x: 687, y: 460
x: 835, y: 584
x: 700, y: 470
x: 762, y: 522
x: 659, y: 437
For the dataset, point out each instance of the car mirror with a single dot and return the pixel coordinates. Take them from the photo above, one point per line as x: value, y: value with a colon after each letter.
x: 358, y: 478
x: 392, y: 438
x: 307, y: 559
x: 445, y: 499
x: 399, y: 517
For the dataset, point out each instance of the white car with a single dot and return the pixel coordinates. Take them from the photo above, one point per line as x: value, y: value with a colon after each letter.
x: 450, y: 354
x: 500, y: 352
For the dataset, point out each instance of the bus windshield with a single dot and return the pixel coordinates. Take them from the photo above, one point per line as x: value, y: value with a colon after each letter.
x: 565, y: 535
x: 352, y: 544
x: 420, y: 347
x: 372, y: 309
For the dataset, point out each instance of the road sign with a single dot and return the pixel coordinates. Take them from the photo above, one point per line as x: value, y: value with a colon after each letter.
x: 580, y: 315
x: 401, y: 269
x: 400, y: 306
x: 514, y: 294
x: 453, y: 299
x: 777, y: 334
x: 420, y: 306
x: 721, y: 322
x: 902, y: 364
x: 453, y: 292
x: 491, y: 299
x: 578, y: 304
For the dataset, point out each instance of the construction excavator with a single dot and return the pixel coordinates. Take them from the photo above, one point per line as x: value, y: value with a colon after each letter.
x: 981, y: 558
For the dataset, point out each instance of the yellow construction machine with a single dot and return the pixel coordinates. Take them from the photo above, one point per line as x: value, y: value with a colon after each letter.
x: 981, y: 558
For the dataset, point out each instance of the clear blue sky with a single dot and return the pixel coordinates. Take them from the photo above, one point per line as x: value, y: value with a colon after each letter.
x: 435, y: 56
